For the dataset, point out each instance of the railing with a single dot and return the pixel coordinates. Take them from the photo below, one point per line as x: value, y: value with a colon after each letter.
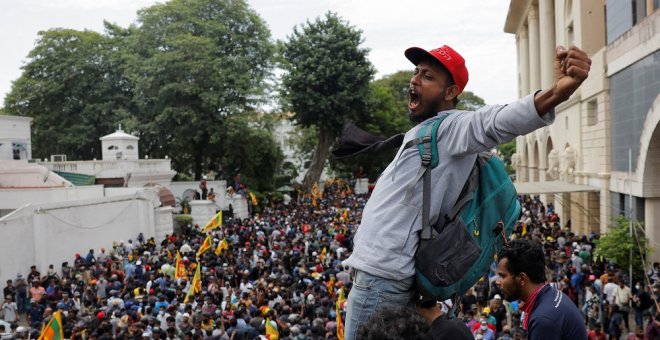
x: 95, y: 167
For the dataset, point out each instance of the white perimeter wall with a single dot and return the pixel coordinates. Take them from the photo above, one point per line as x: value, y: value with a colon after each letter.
x: 11, y: 199
x: 219, y: 188
x: 52, y: 233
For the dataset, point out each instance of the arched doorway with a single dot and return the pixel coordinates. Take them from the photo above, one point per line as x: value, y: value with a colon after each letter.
x: 165, y: 195
x: 648, y: 164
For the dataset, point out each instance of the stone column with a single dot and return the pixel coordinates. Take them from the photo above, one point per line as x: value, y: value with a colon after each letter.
x: 202, y: 211
x: 649, y: 7
x: 533, y: 173
x: 547, y: 41
x: 534, y: 49
x: 520, y: 62
x: 524, y: 65
x: 651, y: 223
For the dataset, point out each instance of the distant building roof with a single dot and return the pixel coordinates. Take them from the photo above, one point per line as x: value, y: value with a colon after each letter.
x: 119, y: 134
x: 77, y: 179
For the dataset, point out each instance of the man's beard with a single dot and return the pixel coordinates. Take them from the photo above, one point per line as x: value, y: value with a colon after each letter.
x: 432, y: 110
x: 514, y: 295
x: 416, y: 119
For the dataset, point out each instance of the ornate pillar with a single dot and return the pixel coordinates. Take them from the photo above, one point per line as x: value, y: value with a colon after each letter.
x: 524, y: 65
x: 547, y: 41
x: 520, y: 62
x: 534, y: 49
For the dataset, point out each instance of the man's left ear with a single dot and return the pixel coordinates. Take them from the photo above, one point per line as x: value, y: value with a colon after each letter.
x: 451, y: 93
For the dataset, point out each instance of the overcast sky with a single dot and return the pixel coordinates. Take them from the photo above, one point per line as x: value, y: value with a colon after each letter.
x: 474, y: 28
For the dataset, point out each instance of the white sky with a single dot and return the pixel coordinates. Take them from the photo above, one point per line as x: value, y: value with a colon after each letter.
x: 474, y: 28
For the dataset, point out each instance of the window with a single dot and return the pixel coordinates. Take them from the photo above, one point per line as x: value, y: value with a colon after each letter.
x: 113, y: 147
x: 638, y: 10
x: 130, y: 147
x: 566, y: 122
x: 17, y: 150
x: 592, y: 112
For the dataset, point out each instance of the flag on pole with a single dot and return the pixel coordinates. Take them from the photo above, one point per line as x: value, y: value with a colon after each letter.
x: 179, y: 267
x: 223, y: 245
x: 54, y: 329
x: 195, y: 285
x: 253, y: 198
x: 271, y: 331
x: 315, y: 191
x: 331, y: 286
x: 215, y: 222
x: 340, y: 325
x: 205, y: 246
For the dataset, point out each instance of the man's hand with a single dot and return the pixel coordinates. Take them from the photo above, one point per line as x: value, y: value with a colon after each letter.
x: 571, y: 68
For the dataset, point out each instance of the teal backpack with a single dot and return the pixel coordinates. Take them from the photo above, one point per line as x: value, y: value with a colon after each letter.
x: 461, y: 250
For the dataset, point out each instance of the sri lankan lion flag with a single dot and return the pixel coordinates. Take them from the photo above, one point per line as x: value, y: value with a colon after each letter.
x: 54, y: 329
x: 223, y: 245
x: 215, y: 222
x: 195, y: 285
x: 179, y: 267
x: 316, y: 193
x: 253, y: 198
x: 340, y: 325
x: 271, y: 331
x: 205, y: 246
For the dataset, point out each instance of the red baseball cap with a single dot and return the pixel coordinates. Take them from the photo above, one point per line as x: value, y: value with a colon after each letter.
x: 452, y: 61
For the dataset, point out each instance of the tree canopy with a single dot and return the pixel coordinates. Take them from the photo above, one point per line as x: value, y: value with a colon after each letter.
x: 174, y: 78
x: 72, y: 86
x: 325, y: 81
x: 617, y: 244
x: 192, y: 64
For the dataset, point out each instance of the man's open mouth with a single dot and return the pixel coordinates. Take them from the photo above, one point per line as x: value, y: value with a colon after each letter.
x: 413, y: 99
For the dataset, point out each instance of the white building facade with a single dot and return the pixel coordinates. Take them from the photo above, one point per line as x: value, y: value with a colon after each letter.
x: 611, y: 114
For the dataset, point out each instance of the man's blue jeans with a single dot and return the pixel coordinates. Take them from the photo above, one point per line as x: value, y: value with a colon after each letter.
x: 371, y: 293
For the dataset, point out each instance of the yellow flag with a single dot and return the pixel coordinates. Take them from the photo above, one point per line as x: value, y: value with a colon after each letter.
x: 179, y: 267
x: 205, y: 246
x: 315, y: 191
x: 195, y: 285
x: 215, y: 222
x: 254, y: 199
x: 271, y: 331
x: 340, y: 324
x: 323, y: 252
x: 331, y: 286
x: 223, y: 245
x: 54, y: 329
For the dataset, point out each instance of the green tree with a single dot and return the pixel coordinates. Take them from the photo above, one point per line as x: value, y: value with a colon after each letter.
x: 469, y: 101
x: 507, y: 150
x: 325, y: 81
x: 193, y: 63
x: 617, y: 243
x: 251, y: 151
x: 73, y: 88
x: 385, y: 116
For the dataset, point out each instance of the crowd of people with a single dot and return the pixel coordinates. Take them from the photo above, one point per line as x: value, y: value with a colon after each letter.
x: 283, y: 269
x: 599, y: 288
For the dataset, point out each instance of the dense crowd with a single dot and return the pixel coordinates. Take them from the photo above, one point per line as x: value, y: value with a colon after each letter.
x: 283, y: 269
x: 601, y: 289
x: 283, y: 265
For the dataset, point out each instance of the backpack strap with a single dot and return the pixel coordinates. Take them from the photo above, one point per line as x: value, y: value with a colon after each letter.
x: 427, y: 145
